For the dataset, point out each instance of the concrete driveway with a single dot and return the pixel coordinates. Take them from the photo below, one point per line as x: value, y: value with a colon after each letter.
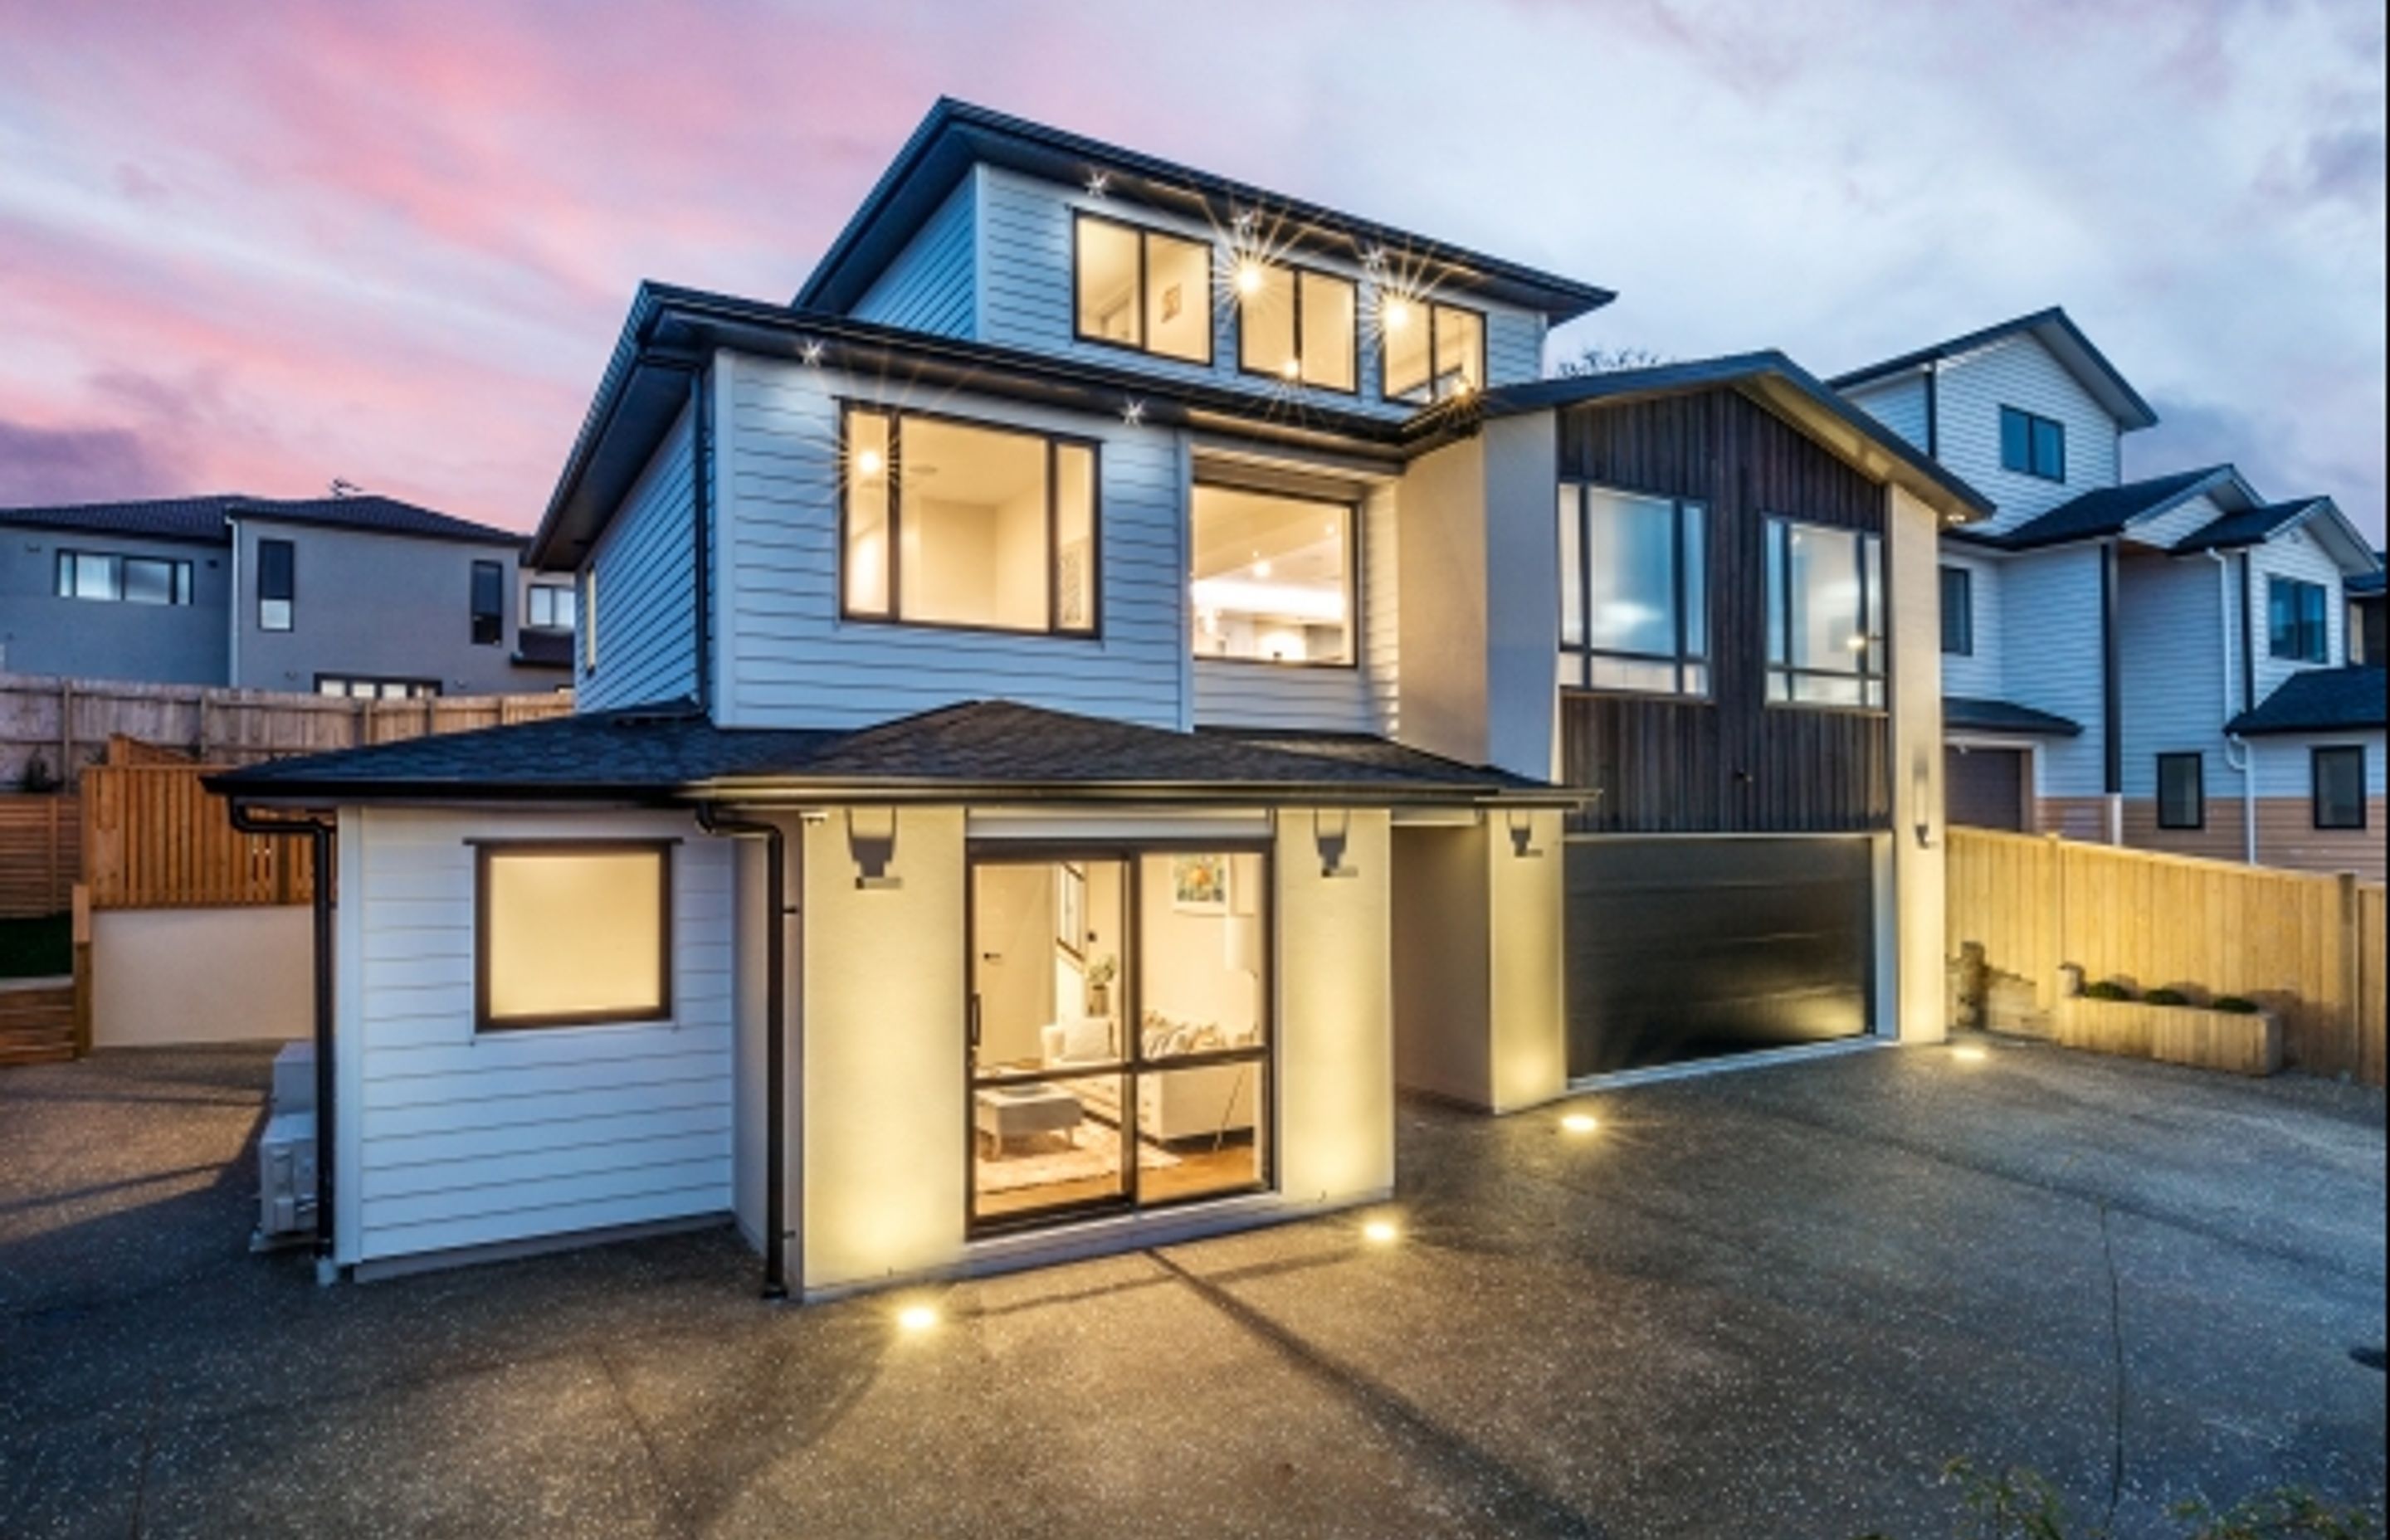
x: 1770, y: 1303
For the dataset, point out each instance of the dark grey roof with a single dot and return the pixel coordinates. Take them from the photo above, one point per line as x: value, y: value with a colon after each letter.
x: 2366, y: 585
x: 2321, y: 701
x: 2249, y: 526
x: 1973, y: 714
x: 2058, y: 332
x: 956, y: 136
x: 986, y: 745
x: 203, y: 519
x: 1770, y: 377
x: 2108, y: 510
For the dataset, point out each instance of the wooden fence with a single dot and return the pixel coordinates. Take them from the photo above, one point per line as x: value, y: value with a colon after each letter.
x: 40, y: 854
x: 2308, y: 946
x: 52, y: 730
x: 154, y: 838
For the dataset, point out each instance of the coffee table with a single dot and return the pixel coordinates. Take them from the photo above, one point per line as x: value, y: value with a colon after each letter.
x: 1003, y: 1113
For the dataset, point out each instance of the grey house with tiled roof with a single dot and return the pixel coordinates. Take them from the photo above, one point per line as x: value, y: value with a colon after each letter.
x: 2106, y: 641
x: 358, y: 595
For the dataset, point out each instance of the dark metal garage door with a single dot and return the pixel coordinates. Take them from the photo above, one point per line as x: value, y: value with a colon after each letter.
x: 1985, y: 788
x: 1694, y: 948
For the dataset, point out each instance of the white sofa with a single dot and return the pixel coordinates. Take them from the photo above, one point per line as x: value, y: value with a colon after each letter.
x: 1171, y: 1105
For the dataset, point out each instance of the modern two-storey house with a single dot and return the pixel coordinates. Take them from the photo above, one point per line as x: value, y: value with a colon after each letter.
x: 1121, y: 673
x: 359, y: 595
x: 2160, y: 662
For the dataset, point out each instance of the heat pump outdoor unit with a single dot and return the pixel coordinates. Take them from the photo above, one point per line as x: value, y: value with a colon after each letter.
x: 285, y: 1154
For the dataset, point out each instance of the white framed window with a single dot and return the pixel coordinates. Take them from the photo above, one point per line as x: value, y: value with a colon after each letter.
x: 1825, y: 616
x: 549, y: 607
x: 1275, y: 579
x: 572, y: 933
x: 1634, y: 588
x: 353, y: 686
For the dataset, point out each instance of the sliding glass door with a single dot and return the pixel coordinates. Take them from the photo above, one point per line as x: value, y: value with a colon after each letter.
x: 1118, y: 1031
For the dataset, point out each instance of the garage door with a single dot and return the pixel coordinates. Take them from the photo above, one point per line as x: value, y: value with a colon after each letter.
x: 1985, y: 788
x: 1696, y: 948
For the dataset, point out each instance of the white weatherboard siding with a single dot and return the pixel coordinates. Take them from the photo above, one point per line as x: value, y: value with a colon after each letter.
x: 2294, y: 555
x: 2050, y: 604
x: 788, y: 659
x: 2172, y: 613
x: 1026, y: 300
x: 1356, y: 699
x: 1979, y: 675
x: 933, y: 284
x: 455, y: 1139
x: 647, y: 610
x: 2185, y: 518
x: 2285, y: 764
x: 2017, y: 371
x: 1899, y: 404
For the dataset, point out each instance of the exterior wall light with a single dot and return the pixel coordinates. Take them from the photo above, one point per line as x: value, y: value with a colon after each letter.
x: 1522, y: 825
x: 1330, y: 842
x: 872, y: 850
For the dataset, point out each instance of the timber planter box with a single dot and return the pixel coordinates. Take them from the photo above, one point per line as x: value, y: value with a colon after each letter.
x: 2235, y: 1042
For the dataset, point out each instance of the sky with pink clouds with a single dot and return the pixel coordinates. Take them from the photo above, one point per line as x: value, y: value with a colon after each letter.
x: 255, y: 246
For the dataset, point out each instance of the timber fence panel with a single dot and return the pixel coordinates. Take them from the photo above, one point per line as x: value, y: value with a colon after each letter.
x: 40, y: 854
x: 155, y: 837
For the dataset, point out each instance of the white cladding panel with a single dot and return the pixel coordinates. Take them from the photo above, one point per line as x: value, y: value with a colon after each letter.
x: 2053, y: 598
x: 2294, y: 555
x: 2285, y: 765
x: 1900, y: 405
x: 2172, y: 661
x: 1979, y: 675
x: 932, y: 284
x: 2017, y: 371
x: 646, y: 613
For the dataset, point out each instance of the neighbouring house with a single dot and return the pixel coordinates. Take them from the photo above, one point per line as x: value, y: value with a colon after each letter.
x: 2105, y: 640
x: 2366, y: 643
x: 358, y: 595
x: 1121, y: 673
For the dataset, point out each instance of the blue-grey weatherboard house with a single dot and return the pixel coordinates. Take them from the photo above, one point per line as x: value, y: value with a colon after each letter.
x: 2135, y: 661
x: 359, y: 595
x: 1124, y: 672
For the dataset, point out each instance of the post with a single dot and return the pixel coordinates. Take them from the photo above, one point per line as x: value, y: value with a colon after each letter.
x: 80, y: 941
x: 66, y: 732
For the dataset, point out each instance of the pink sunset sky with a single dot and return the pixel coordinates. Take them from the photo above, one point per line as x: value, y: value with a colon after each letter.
x: 257, y: 246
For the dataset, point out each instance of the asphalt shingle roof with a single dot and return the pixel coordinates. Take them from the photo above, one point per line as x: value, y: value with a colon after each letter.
x: 2321, y: 701
x: 2247, y: 527
x: 1977, y: 714
x: 2108, y: 510
x: 203, y: 519
x: 661, y: 753
x: 2364, y: 584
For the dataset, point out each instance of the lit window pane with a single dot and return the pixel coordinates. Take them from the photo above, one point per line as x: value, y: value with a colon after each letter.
x: 972, y: 548
x: 1823, y: 574
x: 1630, y: 545
x: 868, y: 461
x: 96, y: 577
x: 1265, y: 338
x: 1329, y: 305
x: 575, y: 935
x: 1107, y: 279
x: 1272, y: 578
x: 1402, y: 325
x: 1459, y: 351
x: 1177, y: 298
x: 1571, y: 569
x: 1074, y: 538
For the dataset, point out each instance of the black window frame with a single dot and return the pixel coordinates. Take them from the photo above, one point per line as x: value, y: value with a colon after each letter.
x: 489, y: 618
x: 2341, y: 753
x: 1424, y: 394
x: 417, y: 690
x: 1957, y: 618
x: 585, y: 606
x: 895, y: 614
x: 66, y: 570
x: 2169, y: 814
x: 1352, y: 555
x: 1685, y: 512
x: 1296, y: 273
x: 2307, y: 638
x: 2034, y: 425
x: 1874, y: 674
x: 278, y: 586
x: 485, y: 850
x: 1146, y: 233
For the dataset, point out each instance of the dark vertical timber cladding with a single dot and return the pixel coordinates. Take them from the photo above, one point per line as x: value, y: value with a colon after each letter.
x: 1730, y: 763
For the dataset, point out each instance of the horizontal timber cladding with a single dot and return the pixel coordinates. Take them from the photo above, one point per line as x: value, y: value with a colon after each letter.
x: 1730, y: 763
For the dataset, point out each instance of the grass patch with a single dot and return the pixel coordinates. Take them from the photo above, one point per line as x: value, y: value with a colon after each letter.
x: 36, y: 948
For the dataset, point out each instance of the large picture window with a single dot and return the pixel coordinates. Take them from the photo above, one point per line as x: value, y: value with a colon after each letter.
x: 2339, y: 787
x: 122, y: 579
x: 2296, y: 625
x: 1273, y: 577
x: 1142, y: 289
x: 1634, y: 591
x: 571, y: 933
x: 1430, y: 350
x: 1298, y: 326
x: 2032, y: 444
x: 956, y: 523
x: 1825, y: 616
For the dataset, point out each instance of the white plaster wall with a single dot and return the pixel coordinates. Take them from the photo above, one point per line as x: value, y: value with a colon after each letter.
x: 1918, y: 867
x: 175, y: 976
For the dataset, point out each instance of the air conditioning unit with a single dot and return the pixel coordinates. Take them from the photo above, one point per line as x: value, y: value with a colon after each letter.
x: 285, y: 1154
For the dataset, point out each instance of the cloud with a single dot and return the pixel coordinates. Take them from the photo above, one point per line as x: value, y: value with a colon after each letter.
x: 79, y: 465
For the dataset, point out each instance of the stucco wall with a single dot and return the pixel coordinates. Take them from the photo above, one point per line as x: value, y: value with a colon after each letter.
x: 170, y: 975
x: 1918, y: 866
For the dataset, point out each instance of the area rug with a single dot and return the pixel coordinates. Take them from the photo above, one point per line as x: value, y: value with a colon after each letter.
x: 1047, y: 1161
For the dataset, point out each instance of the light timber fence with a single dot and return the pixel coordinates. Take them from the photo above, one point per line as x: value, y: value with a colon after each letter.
x: 40, y: 854
x: 155, y: 837
x: 2307, y: 946
x: 52, y: 730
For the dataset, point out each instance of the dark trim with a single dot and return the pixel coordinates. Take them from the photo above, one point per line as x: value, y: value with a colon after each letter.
x: 700, y: 464
x: 2198, y: 791
x: 2248, y: 637
x: 2278, y: 583
x: 642, y: 1015
x: 1965, y: 612
x: 323, y: 837
x: 495, y: 635
x: 1425, y: 394
x: 1683, y: 513
x: 2054, y: 315
x: 1353, y: 553
x: 2111, y: 699
x: 2033, y: 422
x: 1296, y: 273
x: 1776, y: 531
x: 1934, y: 411
x: 287, y: 587
x: 777, y: 1231
x: 1144, y: 344
x: 2315, y: 757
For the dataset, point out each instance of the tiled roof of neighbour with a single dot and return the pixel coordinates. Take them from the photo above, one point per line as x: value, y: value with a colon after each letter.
x: 2247, y: 527
x: 2108, y: 510
x: 2058, y: 332
x: 2321, y: 701
x: 203, y: 519
x: 1976, y: 715
x: 987, y: 745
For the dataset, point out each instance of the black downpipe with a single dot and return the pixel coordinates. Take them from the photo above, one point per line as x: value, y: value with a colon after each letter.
x: 700, y: 418
x: 320, y: 832
x: 776, y: 1058
x: 2248, y: 638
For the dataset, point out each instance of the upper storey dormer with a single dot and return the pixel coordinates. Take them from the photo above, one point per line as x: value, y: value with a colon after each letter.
x: 2028, y: 412
x: 1001, y: 231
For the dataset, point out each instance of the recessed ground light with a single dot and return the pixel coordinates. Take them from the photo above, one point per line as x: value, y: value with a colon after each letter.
x: 917, y: 1318
x: 1967, y: 1053
x: 1579, y: 1123
x: 1380, y: 1232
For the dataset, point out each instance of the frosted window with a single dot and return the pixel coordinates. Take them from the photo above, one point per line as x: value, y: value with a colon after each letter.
x: 571, y: 936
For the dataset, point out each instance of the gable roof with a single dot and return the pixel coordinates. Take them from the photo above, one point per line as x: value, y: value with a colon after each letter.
x: 2056, y: 331
x: 957, y: 135
x: 2110, y: 511
x: 204, y: 520
x: 982, y: 747
x: 1768, y: 378
x: 1974, y: 713
x: 2320, y: 700
x: 2249, y: 526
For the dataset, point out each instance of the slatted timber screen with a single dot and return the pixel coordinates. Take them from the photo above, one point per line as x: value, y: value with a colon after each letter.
x: 154, y: 838
x: 2307, y: 946
x: 40, y: 854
